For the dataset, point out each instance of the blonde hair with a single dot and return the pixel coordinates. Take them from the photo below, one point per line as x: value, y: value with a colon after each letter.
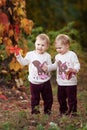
x: 44, y: 38
x: 64, y: 39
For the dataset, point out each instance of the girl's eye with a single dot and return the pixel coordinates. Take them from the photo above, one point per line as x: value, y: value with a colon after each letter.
x: 58, y: 48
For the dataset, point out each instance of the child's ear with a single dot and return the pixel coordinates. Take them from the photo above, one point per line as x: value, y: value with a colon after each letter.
x: 47, y: 46
x: 68, y: 46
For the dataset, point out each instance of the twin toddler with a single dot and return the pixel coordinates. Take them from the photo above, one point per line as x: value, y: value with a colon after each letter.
x: 39, y: 65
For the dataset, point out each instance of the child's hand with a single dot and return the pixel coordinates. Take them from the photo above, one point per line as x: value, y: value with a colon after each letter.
x: 70, y: 72
x: 44, y: 68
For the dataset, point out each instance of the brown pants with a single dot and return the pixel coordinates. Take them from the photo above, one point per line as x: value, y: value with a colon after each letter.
x: 67, y: 97
x: 46, y: 92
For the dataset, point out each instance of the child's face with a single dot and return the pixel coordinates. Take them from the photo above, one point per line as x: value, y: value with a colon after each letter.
x: 41, y: 46
x: 61, y: 48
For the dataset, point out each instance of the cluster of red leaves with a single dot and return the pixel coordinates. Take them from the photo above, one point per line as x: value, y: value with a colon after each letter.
x: 14, y: 49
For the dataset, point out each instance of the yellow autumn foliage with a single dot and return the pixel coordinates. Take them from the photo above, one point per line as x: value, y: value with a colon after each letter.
x: 8, y: 42
x: 26, y: 25
x: 11, y: 33
x: 14, y: 65
x: 0, y: 40
x: 1, y: 29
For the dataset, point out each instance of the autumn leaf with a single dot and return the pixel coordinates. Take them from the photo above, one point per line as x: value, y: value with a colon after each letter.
x: 22, y: 4
x: 11, y: 33
x: 3, y: 18
x: 16, y: 28
x: 1, y: 29
x: 19, y: 3
x: 0, y: 40
x: 27, y: 25
x: 15, y: 2
x: 3, y: 97
x: 14, y: 65
x: 2, y: 3
x: 7, y: 41
x: 21, y: 12
x: 14, y: 49
x: 16, y: 37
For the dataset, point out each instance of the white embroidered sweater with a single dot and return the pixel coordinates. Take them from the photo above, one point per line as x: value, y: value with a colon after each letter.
x: 35, y: 63
x: 62, y: 65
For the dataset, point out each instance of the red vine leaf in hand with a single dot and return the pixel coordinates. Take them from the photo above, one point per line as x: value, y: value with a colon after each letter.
x: 14, y: 49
